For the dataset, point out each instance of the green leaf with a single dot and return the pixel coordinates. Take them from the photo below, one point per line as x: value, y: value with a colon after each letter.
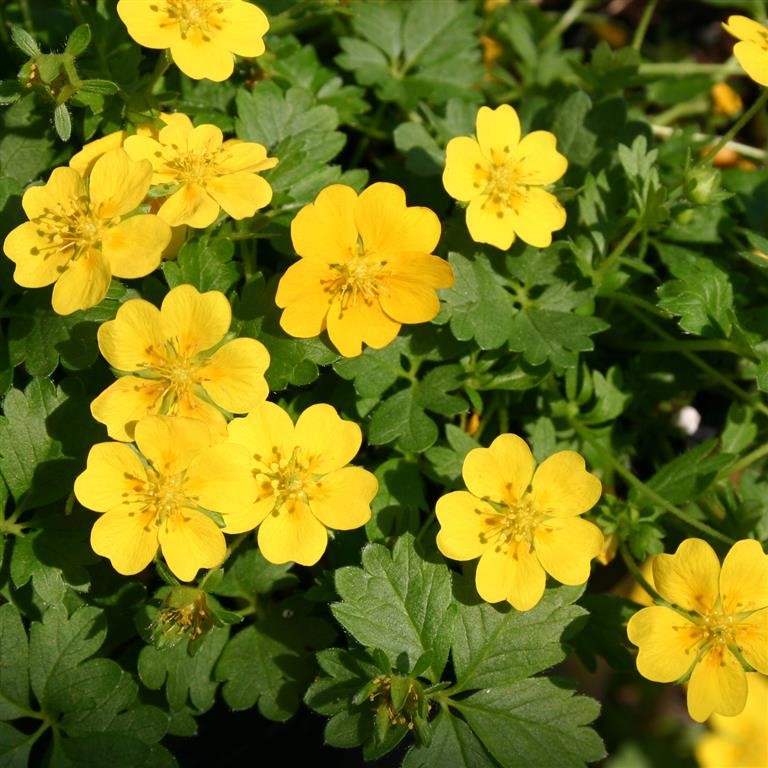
x: 14, y: 653
x: 494, y: 646
x: 24, y: 41
x: 249, y: 574
x: 575, y: 140
x: 610, y: 400
x: 9, y: 92
x: 98, y: 87
x: 14, y: 747
x: 400, y: 603
x: 399, y: 500
x: 402, y: 418
x: 62, y: 122
x: 26, y: 143
x: 79, y: 40
x: 205, y: 264
x: 740, y: 430
x: 375, y: 371
x: 534, y: 723
x: 422, y: 154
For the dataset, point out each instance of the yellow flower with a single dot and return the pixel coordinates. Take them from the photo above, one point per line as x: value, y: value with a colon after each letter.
x: 366, y: 268
x: 158, y: 495
x: 206, y: 172
x: 501, y: 176
x: 725, y: 100
x: 716, y: 613
x: 84, y: 160
x: 79, y: 235
x: 179, y: 364
x: 752, y: 49
x: 522, y: 524
x: 202, y: 34
x: 304, y: 483
x: 740, y: 741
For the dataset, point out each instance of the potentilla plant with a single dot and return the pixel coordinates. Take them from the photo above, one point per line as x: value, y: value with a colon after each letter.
x: 350, y: 354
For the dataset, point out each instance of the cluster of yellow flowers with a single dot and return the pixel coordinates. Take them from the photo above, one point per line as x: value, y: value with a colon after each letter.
x: 182, y: 469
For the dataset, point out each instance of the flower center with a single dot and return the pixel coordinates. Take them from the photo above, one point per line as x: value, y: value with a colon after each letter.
x: 718, y: 628
x: 288, y: 479
x: 199, y: 18
x: 191, y: 167
x: 512, y: 523
x: 162, y: 496
x: 177, y: 370
x: 359, y: 278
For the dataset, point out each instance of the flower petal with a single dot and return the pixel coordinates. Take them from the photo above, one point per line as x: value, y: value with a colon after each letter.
x: 267, y: 433
x: 498, y: 130
x: 690, y: 577
x: 133, y: 341
x: 409, y: 292
x: 537, y: 215
x: 240, y: 194
x: 667, y: 643
x: 292, y: 533
x: 83, y: 285
x: 718, y: 684
x: 65, y: 186
x: 512, y: 574
x: 233, y: 376
x: 37, y: 264
x: 110, y: 479
x: 485, y: 225
x: 304, y: 298
x: 118, y: 185
x: 194, y: 321
x: 149, y: 23
x: 359, y: 322
x: 464, y: 525
x: 128, y: 539
x: 562, y: 487
x: 466, y: 168
x: 327, y: 442
x: 191, y: 541
x: 170, y: 443
x: 83, y: 160
x: 565, y: 548
x: 193, y: 407
x: 500, y: 472
x: 200, y: 59
x: 126, y: 402
x: 135, y: 246
x: 243, y: 156
x: 242, y: 28
x: 326, y: 230
x: 146, y: 148
x: 537, y: 160
x: 745, y: 28
x: 342, y: 499
x: 190, y: 205
x: 751, y: 636
x: 744, y: 578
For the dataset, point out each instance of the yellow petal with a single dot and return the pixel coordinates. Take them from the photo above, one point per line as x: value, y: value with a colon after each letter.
x: 537, y: 160
x: 205, y: 140
x: 562, y: 487
x: 409, y: 292
x: 190, y: 205
x: 199, y: 59
x: 754, y: 59
x: 240, y: 194
x: 387, y: 226
x: 135, y: 246
x: 84, y: 160
x: 83, y: 285
x: 170, y: 443
x: 194, y: 321
x: 745, y: 29
x: 292, y: 534
x: 751, y: 635
x: 359, y: 322
x: 189, y: 541
x: 149, y: 23
x: 744, y: 578
x: 118, y: 185
x: 498, y: 130
x: 304, y: 298
x: 500, y: 472
x: 512, y: 574
x: 243, y: 156
x: 233, y: 376
x: 668, y: 643
x: 146, y: 148
x: 486, y: 226
x: 242, y: 28
x: 37, y: 264
x: 327, y: 442
x: 464, y: 525
x: 565, y: 548
x: 125, y: 402
x: 188, y: 404
x: 538, y: 214
x: 325, y: 229
x: 133, y: 341
x: 251, y: 516
x: 718, y: 684
x: 465, y: 168
x: 266, y: 428
x: 65, y: 187
x: 112, y: 475
x: 689, y: 578
x: 128, y: 539
x: 342, y: 499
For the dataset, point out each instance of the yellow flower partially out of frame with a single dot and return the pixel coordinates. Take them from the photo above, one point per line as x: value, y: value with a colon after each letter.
x: 752, y: 49
x: 366, y: 268
x: 501, y: 176
x: 304, y: 483
x: 740, y: 741
x: 521, y: 523
x: 177, y: 363
x: 202, y: 35
x: 205, y: 172
x: 716, y: 614
x: 81, y: 234
x: 158, y: 495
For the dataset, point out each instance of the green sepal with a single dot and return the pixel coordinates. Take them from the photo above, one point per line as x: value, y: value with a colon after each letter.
x: 24, y: 40
x: 79, y: 40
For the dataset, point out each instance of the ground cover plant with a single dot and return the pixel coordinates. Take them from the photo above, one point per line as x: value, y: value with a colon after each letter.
x: 383, y: 381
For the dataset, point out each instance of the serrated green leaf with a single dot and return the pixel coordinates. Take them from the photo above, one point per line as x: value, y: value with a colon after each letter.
x: 375, y: 371
x: 399, y: 500
x: 534, y: 723
x: 249, y: 574
x: 398, y: 602
x: 205, y: 264
x: 740, y: 430
x: 14, y: 663
x: 401, y: 417
x: 26, y: 141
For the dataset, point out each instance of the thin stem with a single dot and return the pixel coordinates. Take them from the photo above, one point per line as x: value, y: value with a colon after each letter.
x: 26, y: 13
x: 665, y: 131
x: 698, y: 345
x: 642, y: 27
x: 621, y: 246
x: 743, y: 463
x: 642, y: 488
x: 637, y: 574
x: 163, y: 62
x: 682, y: 68
x: 565, y: 21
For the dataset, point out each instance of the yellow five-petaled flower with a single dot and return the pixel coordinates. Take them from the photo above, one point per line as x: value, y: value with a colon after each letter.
x: 80, y: 233
x: 304, y: 485
x: 501, y: 176
x: 752, y: 49
x: 520, y: 523
x: 179, y: 363
x: 717, y: 617
x: 201, y: 34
